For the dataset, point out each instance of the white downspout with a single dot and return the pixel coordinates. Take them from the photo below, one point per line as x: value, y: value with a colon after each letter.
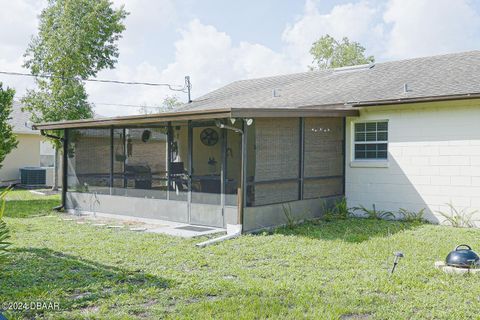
x: 233, y: 231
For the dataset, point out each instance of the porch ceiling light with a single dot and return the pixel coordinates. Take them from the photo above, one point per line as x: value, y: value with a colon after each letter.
x: 249, y: 121
x: 232, y: 120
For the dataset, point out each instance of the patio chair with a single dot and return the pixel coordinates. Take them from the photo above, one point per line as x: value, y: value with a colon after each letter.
x: 179, y: 176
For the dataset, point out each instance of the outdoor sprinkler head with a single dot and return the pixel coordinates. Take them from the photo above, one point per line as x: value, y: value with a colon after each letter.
x: 397, y: 256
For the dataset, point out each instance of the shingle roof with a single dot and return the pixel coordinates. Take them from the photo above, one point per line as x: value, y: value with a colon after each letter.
x: 19, y: 119
x: 443, y: 75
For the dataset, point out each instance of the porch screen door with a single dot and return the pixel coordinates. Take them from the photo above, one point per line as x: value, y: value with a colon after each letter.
x: 206, y: 207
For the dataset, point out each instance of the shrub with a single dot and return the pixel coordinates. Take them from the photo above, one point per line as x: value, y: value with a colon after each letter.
x: 4, y: 232
x: 412, y: 216
x: 339, y: 211
x: 458, y: 218
x: 374, y: 213
x: 292, y: 219
x: 287, y: 211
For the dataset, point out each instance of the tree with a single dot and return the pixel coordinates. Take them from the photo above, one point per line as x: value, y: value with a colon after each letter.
x: 76, y: 39
x: 4, y: 231
x: 169, y: 103
x: 8, y: 142
x: 329, y: 53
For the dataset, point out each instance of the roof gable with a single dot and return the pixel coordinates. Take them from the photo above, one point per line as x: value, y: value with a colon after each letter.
x: 19, y: 120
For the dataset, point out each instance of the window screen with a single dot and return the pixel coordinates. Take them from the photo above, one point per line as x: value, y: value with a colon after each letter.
x: 323, y: 159
x: 371, y: 140
x: 276, y: 154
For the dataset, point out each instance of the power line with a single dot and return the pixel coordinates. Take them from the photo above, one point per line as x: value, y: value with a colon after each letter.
x: 184, y: 88
x: 136, y: 106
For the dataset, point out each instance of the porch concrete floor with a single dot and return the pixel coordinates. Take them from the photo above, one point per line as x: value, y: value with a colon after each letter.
x: 136, y: 224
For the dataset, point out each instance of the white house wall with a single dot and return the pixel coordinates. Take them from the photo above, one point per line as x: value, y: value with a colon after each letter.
x: 433, y: 159
x: 27, y: 154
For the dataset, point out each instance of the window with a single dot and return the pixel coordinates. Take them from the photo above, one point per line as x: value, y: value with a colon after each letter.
x: 47, y: 154
x: 371, y: 140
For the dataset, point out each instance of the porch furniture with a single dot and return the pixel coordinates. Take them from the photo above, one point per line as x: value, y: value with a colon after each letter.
x: 179, y: 176
x: 141, y: 174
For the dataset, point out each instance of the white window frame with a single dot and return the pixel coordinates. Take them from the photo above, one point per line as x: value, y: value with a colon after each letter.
x: 50, y: 152
x: 374, y: 162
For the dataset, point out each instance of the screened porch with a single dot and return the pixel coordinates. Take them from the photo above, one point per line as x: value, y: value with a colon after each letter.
x: 191, y: 171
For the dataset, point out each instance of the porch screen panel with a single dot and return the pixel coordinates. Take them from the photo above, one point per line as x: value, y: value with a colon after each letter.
x: 233, y: 164
x: 140, y: 162
x: 88, y: 159
x: 180, y: 162
x: 323, y: 159
x: 277, y: 147
x: 119, y: 158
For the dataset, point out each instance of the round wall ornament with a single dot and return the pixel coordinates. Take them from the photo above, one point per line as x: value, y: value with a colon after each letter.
x: 209, y: 137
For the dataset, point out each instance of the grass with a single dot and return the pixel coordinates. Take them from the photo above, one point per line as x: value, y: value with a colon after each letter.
x: 25, y: 204
x: 321, y: 270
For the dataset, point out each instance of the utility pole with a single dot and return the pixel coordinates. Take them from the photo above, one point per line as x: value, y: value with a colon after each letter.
x: 189, y: 88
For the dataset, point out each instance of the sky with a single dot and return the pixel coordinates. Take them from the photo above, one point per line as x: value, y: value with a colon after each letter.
x: 216, y: 42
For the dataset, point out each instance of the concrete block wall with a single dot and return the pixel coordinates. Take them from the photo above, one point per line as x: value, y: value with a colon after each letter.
x: 433, y: 159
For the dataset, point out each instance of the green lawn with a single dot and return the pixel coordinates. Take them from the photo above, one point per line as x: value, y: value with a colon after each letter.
x: 322, y: 270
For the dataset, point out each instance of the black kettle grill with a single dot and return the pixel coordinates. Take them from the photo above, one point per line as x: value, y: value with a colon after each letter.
x: 463, y: 257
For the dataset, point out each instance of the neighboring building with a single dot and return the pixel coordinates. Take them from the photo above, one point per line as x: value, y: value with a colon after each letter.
x: 33, y: 150
x: 401, y: 134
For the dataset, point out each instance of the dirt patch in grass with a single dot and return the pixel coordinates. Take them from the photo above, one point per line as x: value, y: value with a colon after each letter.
x: 356, y: 316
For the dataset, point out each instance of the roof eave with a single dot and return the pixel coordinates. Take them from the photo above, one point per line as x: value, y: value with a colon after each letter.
x: 308, y: 111
x: 425, y: 99
x: 348, y: 109
x: 135, y: 120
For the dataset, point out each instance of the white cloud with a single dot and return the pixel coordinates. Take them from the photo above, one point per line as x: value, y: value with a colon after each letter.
x: 388, y: 29
x: 255, y: 60
x: 18, y: 22
x: 353, y: 20
x: 18, y: 19
x: 144, y: 23
x: 429, y: 27
x: 210, y: 58
x: 207, y: 55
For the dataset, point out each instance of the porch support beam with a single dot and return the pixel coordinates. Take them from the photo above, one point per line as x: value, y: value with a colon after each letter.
x: 344, y: 150
x: 111, y: 160
x: 223, y: 171
x: 64, y: 167
x: 169, y: 157
x: 190, y: 166
x: 301, y: 168
x: 242, y: 192
x: 124, y: 142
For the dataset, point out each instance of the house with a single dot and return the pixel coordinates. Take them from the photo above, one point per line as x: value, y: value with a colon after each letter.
x: 402, y: 134
x: 33, y: 150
